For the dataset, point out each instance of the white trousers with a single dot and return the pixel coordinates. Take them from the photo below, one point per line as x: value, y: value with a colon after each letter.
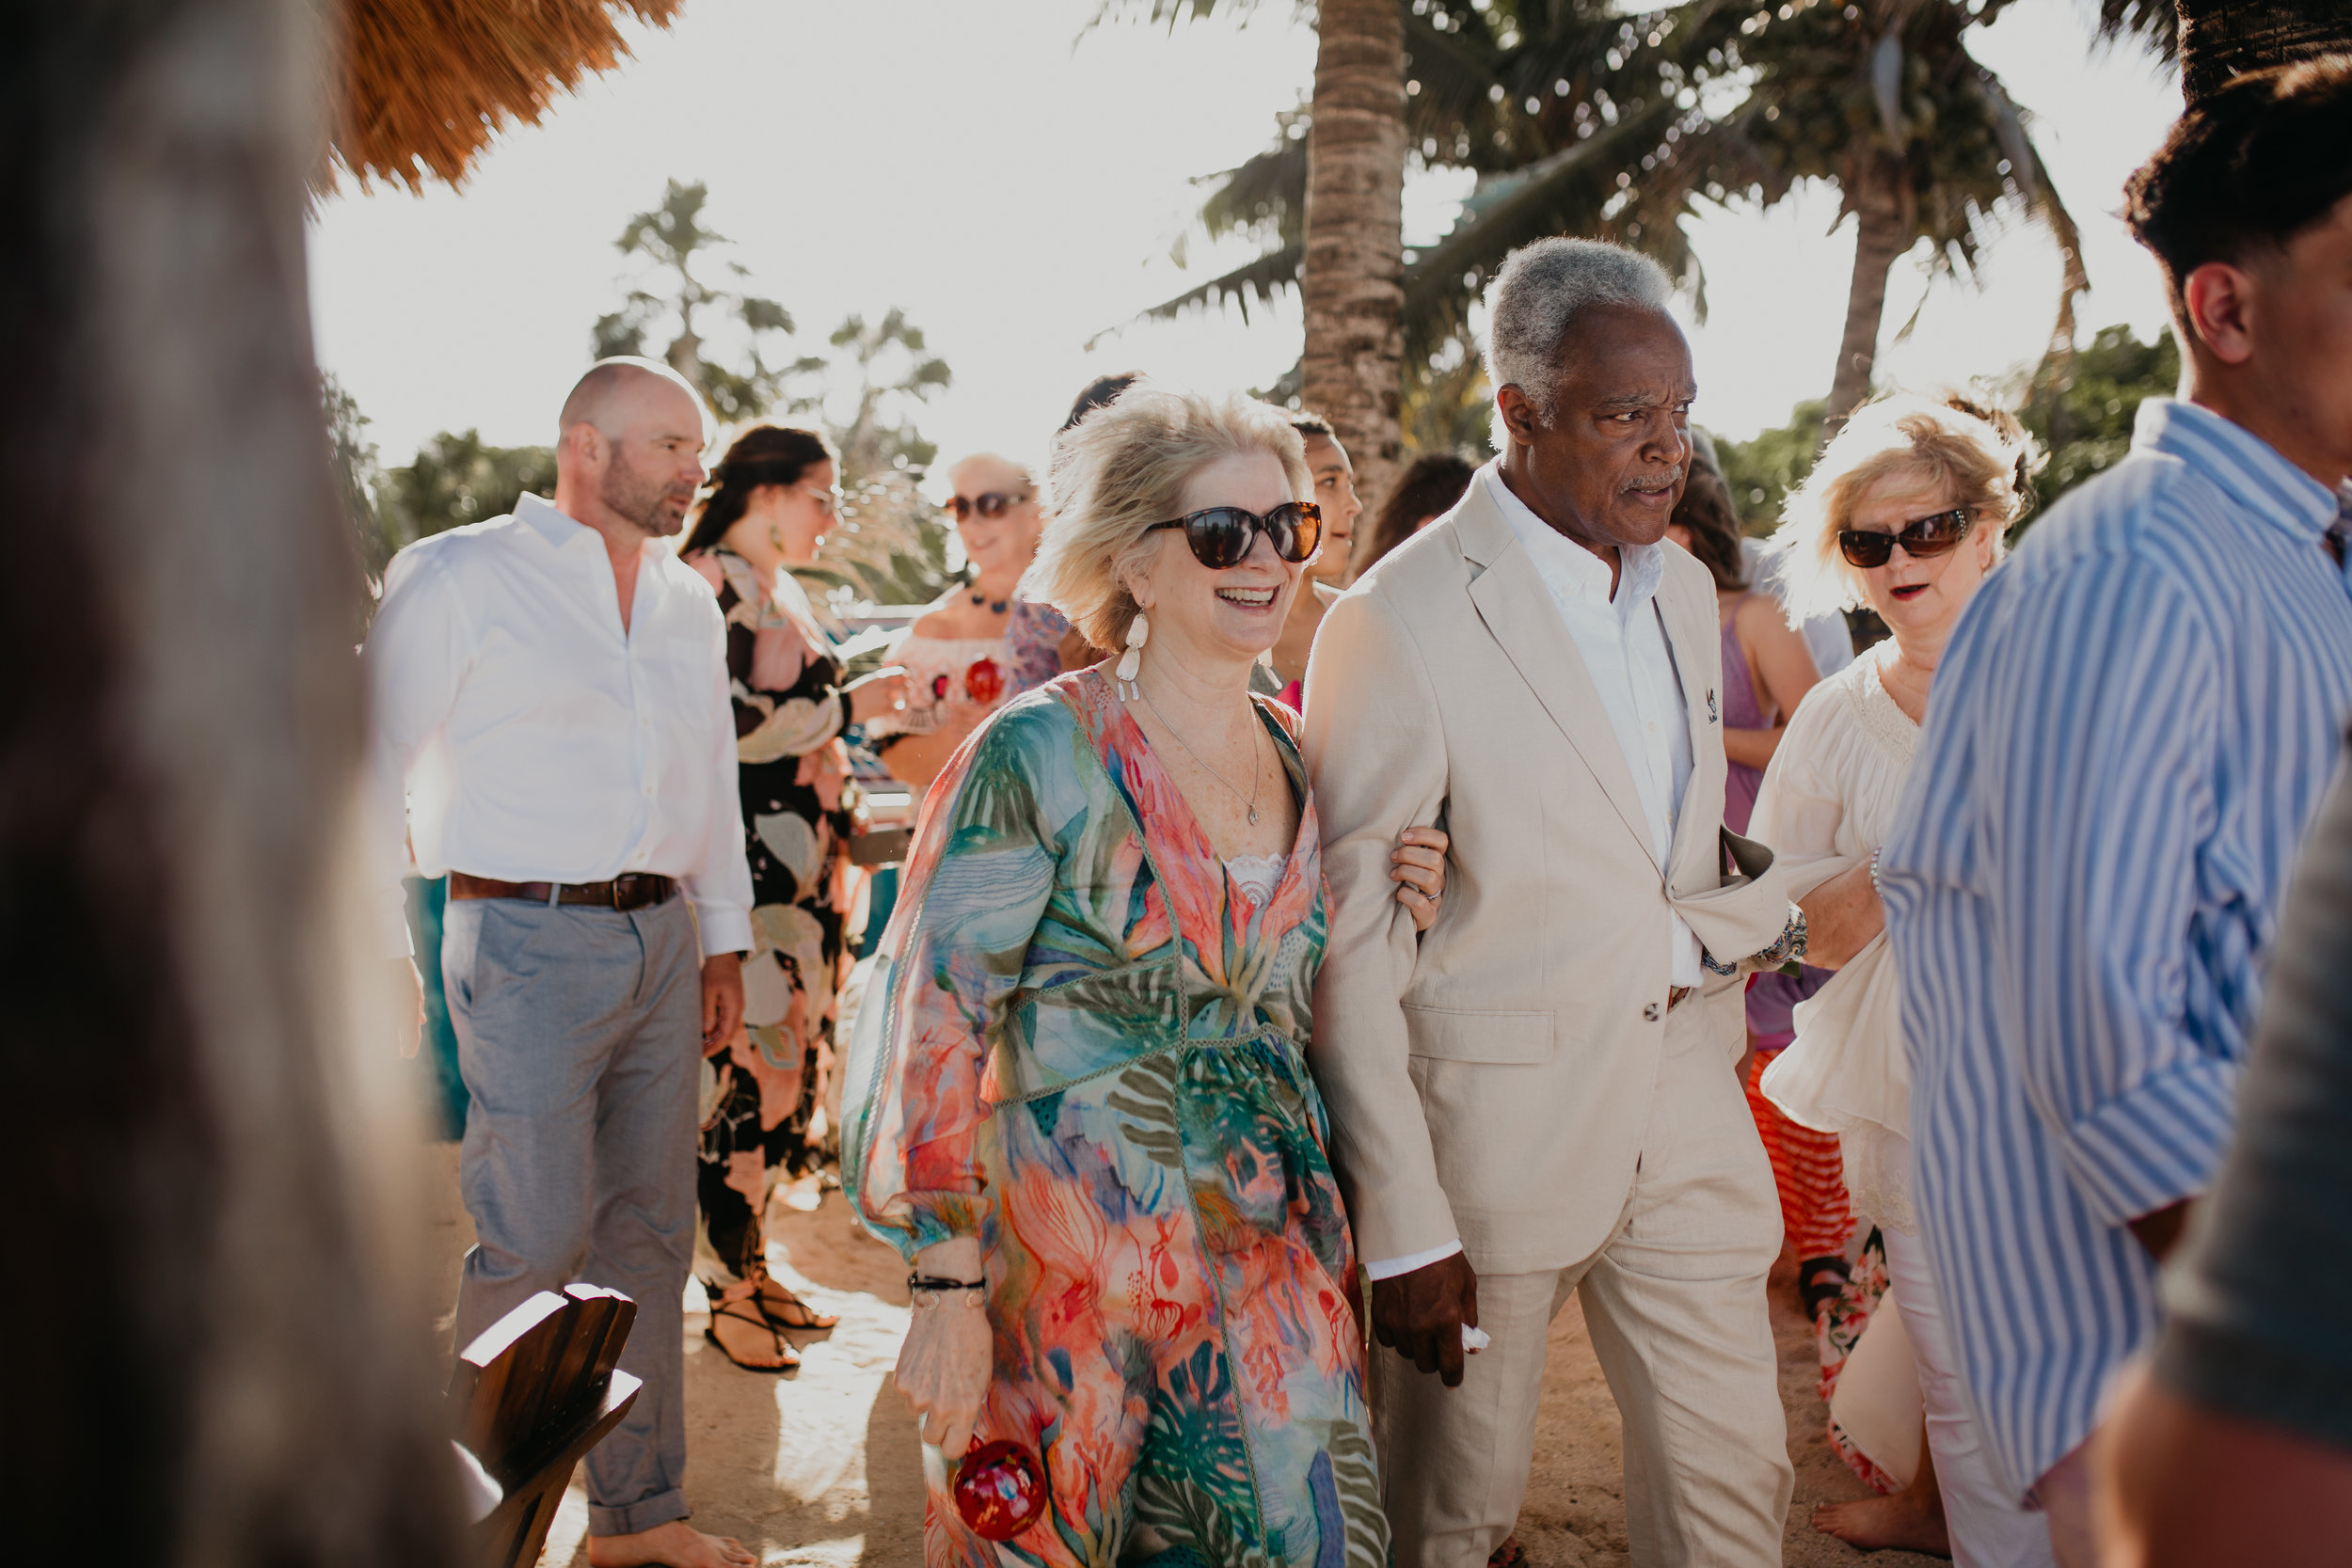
x: 1988, y: 1529
x: 1675, y: 1300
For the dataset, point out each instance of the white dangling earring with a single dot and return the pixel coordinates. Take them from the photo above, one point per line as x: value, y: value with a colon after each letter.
x: 1139, y: 633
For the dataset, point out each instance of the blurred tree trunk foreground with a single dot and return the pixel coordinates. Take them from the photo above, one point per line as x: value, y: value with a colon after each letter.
x: 209, y: 1363
x: 1352, y: 279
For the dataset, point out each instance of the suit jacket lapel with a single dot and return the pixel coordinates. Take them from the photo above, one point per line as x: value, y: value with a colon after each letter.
x: 1519, y: 612
x: 1694, y: 634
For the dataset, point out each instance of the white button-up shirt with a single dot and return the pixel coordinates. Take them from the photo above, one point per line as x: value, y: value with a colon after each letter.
x: 531, y: 740
x: 1624, y: 646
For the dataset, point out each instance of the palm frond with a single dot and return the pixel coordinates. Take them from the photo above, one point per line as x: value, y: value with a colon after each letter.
x: 1567, y: 192
x: 1260, y: 280
x: 1265, y: 196
x: 2152, y: 23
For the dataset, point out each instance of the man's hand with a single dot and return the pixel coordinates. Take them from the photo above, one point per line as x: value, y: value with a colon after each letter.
x: 1420, y: 1315
x: 408, y: 991
x: 722, y: 998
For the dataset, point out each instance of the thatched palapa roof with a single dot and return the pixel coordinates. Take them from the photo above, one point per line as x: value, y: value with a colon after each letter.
x: 420, y: 87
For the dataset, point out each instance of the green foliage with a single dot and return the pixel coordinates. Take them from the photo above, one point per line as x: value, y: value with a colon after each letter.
x: 889, y: 548
x: 1580, y: 118
x: 457, y: 480
x: 1446, y: 406
x: 2083, y: 418
x: 673, y: 240
x: 894, y: 375
x: 351, y: 455
x: 1761, y: 470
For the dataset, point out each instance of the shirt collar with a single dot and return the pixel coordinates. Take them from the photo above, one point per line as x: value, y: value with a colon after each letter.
x: 558, y: 528
x: 1555, y: 555
x: 2242, y: 463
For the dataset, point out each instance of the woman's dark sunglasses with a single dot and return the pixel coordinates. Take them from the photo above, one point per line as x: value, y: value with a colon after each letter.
x: 995, y: 504
x: 1921, y: 539
x: 1222, y: 536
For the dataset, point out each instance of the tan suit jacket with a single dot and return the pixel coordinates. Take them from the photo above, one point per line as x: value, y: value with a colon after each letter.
x: 1490, y: 1081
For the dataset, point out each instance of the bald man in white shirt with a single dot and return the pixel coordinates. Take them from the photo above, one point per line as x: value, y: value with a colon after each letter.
x: 551, y: 731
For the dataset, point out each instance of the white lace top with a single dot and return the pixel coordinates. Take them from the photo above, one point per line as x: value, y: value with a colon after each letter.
x: 1257, y: 874
x: 945, y: 669
x: 1828, y: 801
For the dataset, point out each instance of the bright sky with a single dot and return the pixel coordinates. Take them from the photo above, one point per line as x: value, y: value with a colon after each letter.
x: 1017, y: 187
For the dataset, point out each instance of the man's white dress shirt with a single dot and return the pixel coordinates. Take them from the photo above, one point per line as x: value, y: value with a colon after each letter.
x: 1623, y: 644
x: 532, y: 741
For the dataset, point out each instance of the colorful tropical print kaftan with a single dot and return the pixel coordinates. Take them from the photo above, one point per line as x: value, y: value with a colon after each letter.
x: 1088, y: 1049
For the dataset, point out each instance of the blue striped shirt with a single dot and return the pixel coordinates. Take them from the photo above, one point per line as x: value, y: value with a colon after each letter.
x: 2130, y: 730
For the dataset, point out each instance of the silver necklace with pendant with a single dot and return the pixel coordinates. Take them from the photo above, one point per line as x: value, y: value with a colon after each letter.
x: 1257, y: 774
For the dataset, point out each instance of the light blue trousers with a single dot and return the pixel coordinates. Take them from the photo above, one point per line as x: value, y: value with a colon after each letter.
x: 578, y: 1033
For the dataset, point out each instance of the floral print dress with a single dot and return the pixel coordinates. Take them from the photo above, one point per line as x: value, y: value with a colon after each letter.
x: 793, y: 774
x: 1089, y: 1050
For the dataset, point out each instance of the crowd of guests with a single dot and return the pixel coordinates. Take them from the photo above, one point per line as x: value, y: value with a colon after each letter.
x: 1324, y: 949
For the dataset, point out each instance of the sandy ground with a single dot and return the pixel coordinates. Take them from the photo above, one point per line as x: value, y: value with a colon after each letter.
x: 820, y: 1467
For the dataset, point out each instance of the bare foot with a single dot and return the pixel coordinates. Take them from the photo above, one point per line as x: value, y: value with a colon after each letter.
x: 1912, y: 1521
x: 676, y: 1544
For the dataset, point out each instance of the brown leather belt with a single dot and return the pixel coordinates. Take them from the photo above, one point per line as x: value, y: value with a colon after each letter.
x: 632, y: 891
x: 1677, y: 995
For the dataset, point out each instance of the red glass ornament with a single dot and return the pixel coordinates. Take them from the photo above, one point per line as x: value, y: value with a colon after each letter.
x: 1000, y: 1489
x: 984, y: 681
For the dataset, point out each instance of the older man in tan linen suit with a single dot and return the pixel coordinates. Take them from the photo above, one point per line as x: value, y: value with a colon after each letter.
x: 1539, y: 1096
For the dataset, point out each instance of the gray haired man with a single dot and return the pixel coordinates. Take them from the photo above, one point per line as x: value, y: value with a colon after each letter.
x: 1537, y: 1098
x: 551, y: 705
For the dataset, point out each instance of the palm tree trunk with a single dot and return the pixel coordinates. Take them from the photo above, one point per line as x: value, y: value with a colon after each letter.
x: 2222, y: 39
x: 214, y: 1363
x: 1352, y: 281
x: 1880, y: 238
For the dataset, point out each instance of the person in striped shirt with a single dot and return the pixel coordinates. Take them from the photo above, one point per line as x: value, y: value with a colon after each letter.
x: 2145, y: 707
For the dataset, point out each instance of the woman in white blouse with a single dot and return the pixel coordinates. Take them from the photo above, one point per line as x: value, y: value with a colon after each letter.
x: 1905, y: 513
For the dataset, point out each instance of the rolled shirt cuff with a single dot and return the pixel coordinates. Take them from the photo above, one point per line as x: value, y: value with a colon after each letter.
x: 1388, y: 1268
x: 724, y: 928
x: 1683, y: 967
x: 2156, y: 1144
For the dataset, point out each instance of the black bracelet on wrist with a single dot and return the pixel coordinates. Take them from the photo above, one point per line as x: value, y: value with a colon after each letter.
x: 848, y: 717
x: 933, y: 1282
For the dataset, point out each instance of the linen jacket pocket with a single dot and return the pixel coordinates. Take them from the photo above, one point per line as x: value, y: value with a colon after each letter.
x: 1462, y: 1035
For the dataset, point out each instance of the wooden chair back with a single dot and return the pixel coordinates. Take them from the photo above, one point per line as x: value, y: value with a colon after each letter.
x: 535, y: 1391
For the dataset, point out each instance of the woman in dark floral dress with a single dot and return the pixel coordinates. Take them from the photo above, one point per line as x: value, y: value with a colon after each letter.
x: 768, y: 503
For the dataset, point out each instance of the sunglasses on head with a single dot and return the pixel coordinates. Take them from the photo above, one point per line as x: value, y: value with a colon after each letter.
x: 1922, y: 538
x: 995, y: 504
x: 1222, y: 536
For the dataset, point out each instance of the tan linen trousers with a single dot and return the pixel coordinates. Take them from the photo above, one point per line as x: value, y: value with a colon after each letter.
x: 1674, y: 1302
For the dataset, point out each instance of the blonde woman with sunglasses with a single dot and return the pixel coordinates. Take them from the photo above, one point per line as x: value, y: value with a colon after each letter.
x: 1079, y: 1101
x: 958, y: 666
x: 1905, y: 513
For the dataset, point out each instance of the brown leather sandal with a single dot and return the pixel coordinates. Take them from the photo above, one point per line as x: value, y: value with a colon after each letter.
x: 791, y: 1312
x: 744, y: 1311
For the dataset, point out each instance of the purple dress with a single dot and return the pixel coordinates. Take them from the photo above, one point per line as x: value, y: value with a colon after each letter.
x: 1770, y: 996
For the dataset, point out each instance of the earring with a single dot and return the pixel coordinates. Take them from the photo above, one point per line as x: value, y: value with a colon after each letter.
x: 1139, y: 633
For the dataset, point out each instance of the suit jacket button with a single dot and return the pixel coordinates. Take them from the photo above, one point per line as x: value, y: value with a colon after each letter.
x: 1650, y: 1013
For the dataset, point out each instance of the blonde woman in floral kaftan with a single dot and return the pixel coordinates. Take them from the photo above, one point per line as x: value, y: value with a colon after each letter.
x: 1079, y: 1101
